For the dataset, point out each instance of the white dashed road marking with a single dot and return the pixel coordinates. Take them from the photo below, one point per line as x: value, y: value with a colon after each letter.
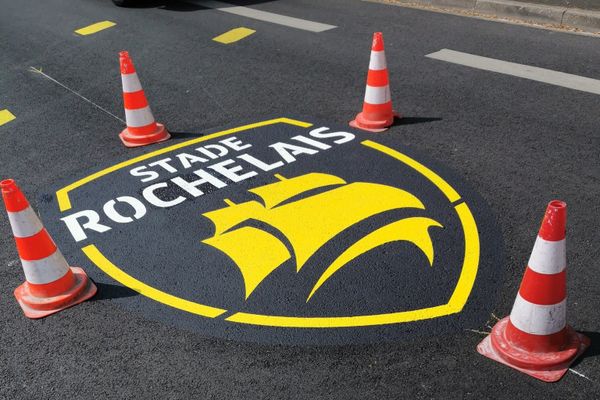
x: 570, y: 81
x: 266, y: 16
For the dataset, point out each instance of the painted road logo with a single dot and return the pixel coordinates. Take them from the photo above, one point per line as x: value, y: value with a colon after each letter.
x: 282, y: 231
x: 309, y: 223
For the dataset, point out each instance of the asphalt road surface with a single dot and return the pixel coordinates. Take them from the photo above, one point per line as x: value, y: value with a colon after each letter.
x: 516, y: 141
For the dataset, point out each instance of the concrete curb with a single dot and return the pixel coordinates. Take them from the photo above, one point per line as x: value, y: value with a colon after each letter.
x: 589, y: 20
x: 586, y: 20
x: 527, y: 11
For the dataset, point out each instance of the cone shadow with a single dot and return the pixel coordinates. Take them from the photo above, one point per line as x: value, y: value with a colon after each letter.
x: 185, y: 135
x: 593, y: 350
x: 414, y: 120
x: 107, y: 291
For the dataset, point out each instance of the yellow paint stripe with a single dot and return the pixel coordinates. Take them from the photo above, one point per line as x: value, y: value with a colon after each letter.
x: 6, y: 116
x: 62, y: 195
x: 92, y: 252
x: 234, y: 35
x: 450, y: 193
x: 340, y: 322
x: 471, y: 258
x: 93, y: 28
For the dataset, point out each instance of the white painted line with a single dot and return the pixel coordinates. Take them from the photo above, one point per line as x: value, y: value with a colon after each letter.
x: 556, y: 78
x: 266, y: 16
x: 580, y: 374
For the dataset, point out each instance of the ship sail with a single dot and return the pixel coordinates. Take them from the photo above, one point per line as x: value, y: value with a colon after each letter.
x: 276, y: 193
x: 415, y: 230
x: 307, y: 223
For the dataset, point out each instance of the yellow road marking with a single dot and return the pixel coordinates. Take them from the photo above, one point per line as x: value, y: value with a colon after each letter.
x: 93, y: 28
x: 6, y: 116
x: 471, y: 261
x: 414, y: 230
x: 62, y: 195
x: 426, y: 172
x: 234, y: 35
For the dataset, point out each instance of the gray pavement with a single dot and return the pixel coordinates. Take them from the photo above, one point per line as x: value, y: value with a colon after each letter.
x: 519, y: 143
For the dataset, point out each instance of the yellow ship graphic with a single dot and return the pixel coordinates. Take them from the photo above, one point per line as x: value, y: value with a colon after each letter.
x: 308, y: 222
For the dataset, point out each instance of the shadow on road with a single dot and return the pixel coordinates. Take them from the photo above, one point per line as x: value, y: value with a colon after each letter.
x: 593, y: 350
x: 107, y: 291
x: 414, y: 120
x: 185, y: 135
x: 189, y: 5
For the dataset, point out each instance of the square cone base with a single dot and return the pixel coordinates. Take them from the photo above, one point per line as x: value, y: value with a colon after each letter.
x: 373, y: 126
x: 36, y: 307
x: 554, y: 374
x: 134, y: 140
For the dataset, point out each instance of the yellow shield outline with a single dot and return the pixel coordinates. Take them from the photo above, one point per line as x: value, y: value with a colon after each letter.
x: 454, y: 305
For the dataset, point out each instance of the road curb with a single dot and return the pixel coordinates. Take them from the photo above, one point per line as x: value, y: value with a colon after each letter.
x: 527, y: 11
x: 586, y: 20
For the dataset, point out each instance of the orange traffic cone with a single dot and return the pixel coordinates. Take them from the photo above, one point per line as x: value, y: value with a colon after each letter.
x: 377, y: 113
x: 535, y: 338
x: 50, y: 284
x: 141, y: 129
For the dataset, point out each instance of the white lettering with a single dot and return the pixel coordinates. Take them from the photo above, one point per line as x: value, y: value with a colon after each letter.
x: 187, y: 160
x: 234, y: 143
x: 92, y: 223
x: 111, y: 212
x: 260, y: 164
x: 149, y: 195
x: 204, y: 150
x: 231, y: 173
x: 139, y: 171
x: 288, y: 156
x: 205, y: 177
x: 312, y: 142
x: 165, y: 164
x: 345, y: 136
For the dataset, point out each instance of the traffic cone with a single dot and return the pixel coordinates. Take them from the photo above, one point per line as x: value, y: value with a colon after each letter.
x: 535, y: 338
x: 50, y: 284
x: 377, y: 113
x: 141, y: 129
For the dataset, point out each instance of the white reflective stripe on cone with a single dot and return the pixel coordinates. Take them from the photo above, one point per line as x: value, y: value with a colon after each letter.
x: 538, y: 319
x: 131, y: 83
x: 24, y: 223
x: 45, y: 270
x: 377, y: 95
x: 140, y: 117
x: 377, y: 61
x: 548, y: 257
